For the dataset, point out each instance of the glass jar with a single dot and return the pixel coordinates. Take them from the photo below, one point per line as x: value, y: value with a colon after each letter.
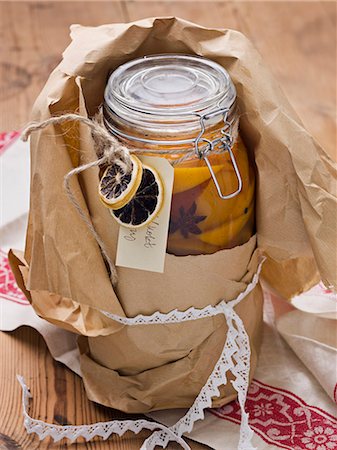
x: 183, y: 108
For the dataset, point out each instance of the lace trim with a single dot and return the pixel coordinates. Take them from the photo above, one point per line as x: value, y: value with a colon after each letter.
x: 235, y: 357
x: 88, y: 432
x: 176, y: 316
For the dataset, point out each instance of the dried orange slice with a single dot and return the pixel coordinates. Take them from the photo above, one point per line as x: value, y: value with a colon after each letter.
x: 145, y: 204
x: 116, y: 187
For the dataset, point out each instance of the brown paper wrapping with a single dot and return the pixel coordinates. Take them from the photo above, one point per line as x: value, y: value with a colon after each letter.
x: 144, y: 368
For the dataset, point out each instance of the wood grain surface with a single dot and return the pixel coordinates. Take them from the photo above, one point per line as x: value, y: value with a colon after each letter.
x: 296, y: 39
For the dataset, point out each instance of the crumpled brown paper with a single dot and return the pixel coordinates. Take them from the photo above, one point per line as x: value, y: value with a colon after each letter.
x: 152, y: 367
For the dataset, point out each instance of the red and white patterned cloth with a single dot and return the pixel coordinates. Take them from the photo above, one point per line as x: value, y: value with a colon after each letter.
x: 8, y: 288
x: 290, y: 401
x: 283, y: 419
x: 6, y: 139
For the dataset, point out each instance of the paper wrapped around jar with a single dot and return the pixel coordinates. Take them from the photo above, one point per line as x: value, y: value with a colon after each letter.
x: 150, y: 367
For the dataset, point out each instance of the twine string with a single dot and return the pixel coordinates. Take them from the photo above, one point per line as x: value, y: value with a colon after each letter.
x: 85, y: 217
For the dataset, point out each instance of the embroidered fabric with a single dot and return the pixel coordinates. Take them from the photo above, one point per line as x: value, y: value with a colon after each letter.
x: 235, y: 357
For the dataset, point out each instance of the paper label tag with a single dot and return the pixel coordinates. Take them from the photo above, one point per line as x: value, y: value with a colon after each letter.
x: 145, y: 248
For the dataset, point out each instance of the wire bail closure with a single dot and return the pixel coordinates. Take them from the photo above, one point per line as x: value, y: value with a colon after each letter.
x: 226, y: 141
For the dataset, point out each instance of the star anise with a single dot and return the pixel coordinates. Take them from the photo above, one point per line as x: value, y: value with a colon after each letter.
x: 187, y: 221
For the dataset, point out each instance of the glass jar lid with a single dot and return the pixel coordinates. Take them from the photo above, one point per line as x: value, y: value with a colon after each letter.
x: 166, y: 93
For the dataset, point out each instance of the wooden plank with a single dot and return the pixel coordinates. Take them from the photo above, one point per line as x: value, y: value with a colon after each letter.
x: 209, y: 14
x: 296, y: 39
x: 33, y: 37
x: 58, y: 397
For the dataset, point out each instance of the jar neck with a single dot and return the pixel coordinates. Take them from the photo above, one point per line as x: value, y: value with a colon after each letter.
x: 163, y: 132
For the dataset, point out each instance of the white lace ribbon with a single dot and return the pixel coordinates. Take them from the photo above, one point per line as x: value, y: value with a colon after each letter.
x: 235, y: 357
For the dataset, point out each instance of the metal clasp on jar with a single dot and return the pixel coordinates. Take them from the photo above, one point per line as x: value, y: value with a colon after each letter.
x: 226, y: 140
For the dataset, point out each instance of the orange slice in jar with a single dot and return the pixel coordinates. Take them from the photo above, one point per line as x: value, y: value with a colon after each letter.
x: 145, y: 205
x: 117, y: 188
x: 186, y: 178
x: 235, y: 229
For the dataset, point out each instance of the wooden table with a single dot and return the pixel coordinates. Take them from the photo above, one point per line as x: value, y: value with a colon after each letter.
x: 297, y: 40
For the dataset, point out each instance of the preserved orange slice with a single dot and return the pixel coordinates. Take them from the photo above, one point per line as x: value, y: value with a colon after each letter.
x: 145, y: 204
x: 222, y: 235
x: 186, y: 178
x: 116, y: 187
